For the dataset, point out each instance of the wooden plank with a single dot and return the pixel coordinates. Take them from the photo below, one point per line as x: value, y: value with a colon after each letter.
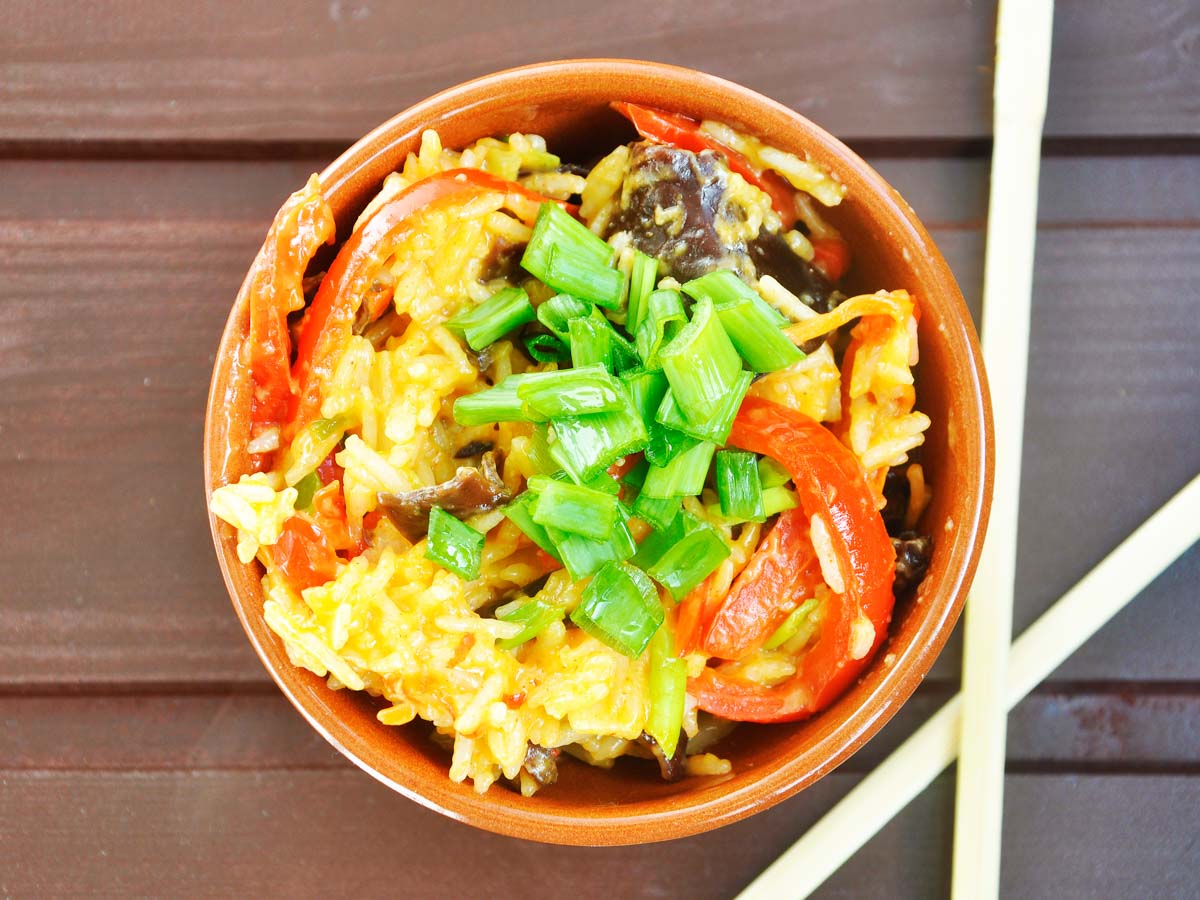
x: 331, y: 71
x: 118, y: 286
x: 1139, y: 728
x: 184, y: 833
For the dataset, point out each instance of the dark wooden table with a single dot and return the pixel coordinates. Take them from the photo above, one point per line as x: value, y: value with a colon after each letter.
x: 143, y: 149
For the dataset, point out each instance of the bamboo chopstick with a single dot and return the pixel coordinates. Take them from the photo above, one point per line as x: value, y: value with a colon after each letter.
x: 1060, y: 631
x: 1022, y: 75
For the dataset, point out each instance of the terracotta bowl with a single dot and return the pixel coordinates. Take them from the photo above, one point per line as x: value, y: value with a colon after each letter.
x: 567, y: 102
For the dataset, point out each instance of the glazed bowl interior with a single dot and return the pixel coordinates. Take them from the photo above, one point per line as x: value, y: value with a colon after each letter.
x: 567, y: 102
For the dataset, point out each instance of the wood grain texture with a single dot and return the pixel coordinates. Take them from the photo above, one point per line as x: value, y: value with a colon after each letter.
x: 109, y: 426
x: 295, y: 834
x: 329, y: 70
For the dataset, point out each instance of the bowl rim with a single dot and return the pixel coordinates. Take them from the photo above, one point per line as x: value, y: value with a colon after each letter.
x: 610, y: 826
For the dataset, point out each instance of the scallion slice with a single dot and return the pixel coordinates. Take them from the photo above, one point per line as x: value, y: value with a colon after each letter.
x: 724, y: 287
x: 563, y: 254
x: 587, y: 445
x: 668, y: 692
x: 582, y: 556
x: 520, y: 513
x: 683, y: 555
x: 533, y: 615
x: 641, y: 285
x: 738, y: 487
x: 646, y: 389
x: 752, y: 324
x: 496, y: 404
x: 454, y: 545
x: 495, y: 317
x: 799, y: 617
x: 666, y: 443
x: 636, y: 474
x: 571, y: 392
x: 717, y: 426
x: 701, y: 364
x: 772, y: 473
x: 557, y: 313
x: 657, y: 512
x: 777, y: 499
x: 620, y: 607
x: 683, y: 476
x: 661, y: 319
x: 305, y: 488
x: 573, y: 507
x: 545, y: 348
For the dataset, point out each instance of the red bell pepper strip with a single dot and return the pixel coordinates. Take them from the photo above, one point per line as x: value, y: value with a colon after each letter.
x: 302, y: 225
x: 680, y: 131
x: 831, y: 256
x: 304, y: 553
x: 830, y: 485
x: 350, y: 281
x: 782, y: 573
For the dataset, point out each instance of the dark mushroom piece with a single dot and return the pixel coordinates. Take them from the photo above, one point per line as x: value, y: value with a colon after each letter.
x: 542, y: 764
x: 671, y: 769
x: 913, y: 552
x: 474, y: 448
x: 470, y: 491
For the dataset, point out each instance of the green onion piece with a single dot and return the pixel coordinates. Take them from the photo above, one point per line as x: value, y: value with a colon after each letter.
x: 668, y: 692
x: 658, y: 513
x: 582, y: 556
x: 641, y: 285
x: 573, y: 508
x: 453, y: 545
x: 503, y: 162
x: 636, y: 476
x: 724, y: 287
x: 701, y: 364
x: 683, y: 476
x: 587, y: 445
x: 520, y: 513
x: 646, y: 390
x: 533, y: 615
x: 716, y: 427
x: 752, y: 324
x: 545, y: 348
x: 309, y: 448
x: 624, y: 355
x: 591, y: 343
x: 738, y: 486
x: 777, y: 499
x: 557, y: 312
x: 539, y: 450
x: 666, y: 443
x: 571, y: 392
x: 563, y: 254
x: 771, y: 473
x: 683, y: 555
x: 661, y: 320
x: 493, y: 318
x: 496, y: 404
x: 620, y: 607
x: 605, y: 483
x: 305, y: 488
x: 799, y: 616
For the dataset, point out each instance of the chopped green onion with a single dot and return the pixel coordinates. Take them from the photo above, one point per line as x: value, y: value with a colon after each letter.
x: 752, y: 324
x: 717, y: 426
x: 701, y: 363
x: 666, y: 443
x: 724, y: 287
x: 454, y: 545
x: 495, y: 404
x: 310, y: 446
x: 573, y: 508
x: 668, y: 692
x: 557, y: 313
x: 533, y: 615
x: 539, y: 450
x: 594, y: 340
x: 493, y: 318
x: 799, y: 616
x: 738, y: 486
x: 305, y: 488
x: 661, y: 320
x: 646, y: 389
x: 777, y: 499
x: 657, y: 512
x: 603, y: 482
x: 620, y: 607
x: 545, y: 348
x: 641, y: 285
x: 503, y: 162
x: 683, y: 555
x: 563, y: 254
x: 683, y: 476
x: 571, y: 392
x: 772, y: 473
x: 636, y: 475
x: 520, y: 513
x: 587, y: 445
x: 582, y: 556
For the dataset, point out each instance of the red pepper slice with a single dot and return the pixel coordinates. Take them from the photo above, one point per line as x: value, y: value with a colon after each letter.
x: 304, y: 554
x: 831, y: 256
x: 329, y: 322
x: 831, y: 486
x: 782, y: 573
x: 301, y: 226
x: 679, y: 131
